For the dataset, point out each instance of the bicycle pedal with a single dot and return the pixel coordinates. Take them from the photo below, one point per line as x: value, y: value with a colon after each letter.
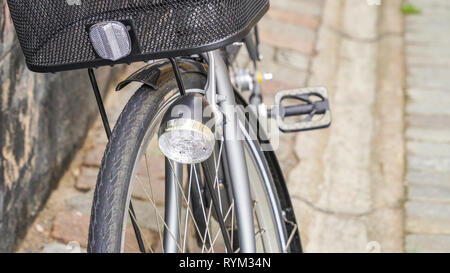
x: 314, y: 109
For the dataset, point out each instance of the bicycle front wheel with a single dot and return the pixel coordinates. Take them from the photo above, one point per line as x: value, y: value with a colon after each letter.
x: 133, y: 170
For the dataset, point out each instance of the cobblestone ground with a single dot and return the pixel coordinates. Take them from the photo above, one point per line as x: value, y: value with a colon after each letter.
x: 348, y: 185
x: 63, y: 223
x: 346, y: 182
x: 428, y: 134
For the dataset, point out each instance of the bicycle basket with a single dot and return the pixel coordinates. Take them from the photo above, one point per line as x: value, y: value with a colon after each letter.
x: 54, y: 34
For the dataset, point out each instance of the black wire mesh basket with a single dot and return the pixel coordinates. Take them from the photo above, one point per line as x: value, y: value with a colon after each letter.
x: 54, y: 34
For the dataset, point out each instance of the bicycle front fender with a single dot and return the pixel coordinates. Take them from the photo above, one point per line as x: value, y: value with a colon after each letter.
x: 153, y: 75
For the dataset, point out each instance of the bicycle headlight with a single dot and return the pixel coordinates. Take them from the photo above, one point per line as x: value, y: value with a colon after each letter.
x: 184, y: 135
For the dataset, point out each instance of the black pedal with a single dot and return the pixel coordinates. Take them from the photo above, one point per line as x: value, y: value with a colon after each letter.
x: 313, y: 109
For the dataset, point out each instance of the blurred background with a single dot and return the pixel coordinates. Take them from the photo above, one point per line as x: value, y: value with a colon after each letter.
x: 378, y: 180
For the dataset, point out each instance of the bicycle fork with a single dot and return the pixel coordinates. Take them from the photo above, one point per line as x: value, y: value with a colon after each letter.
x: 220, y: 92
x: 234, y: 151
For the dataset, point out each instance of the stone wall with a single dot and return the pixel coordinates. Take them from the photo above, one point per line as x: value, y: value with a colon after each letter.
x: 43, y: 122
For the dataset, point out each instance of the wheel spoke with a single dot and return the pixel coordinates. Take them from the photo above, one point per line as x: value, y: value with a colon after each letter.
x: 190, y: 211
x: 258, y: 223
x: 153, y: 198
x: 157, y: 212
x: 187, y: 214
x: 218, y: 232
x: 207, y: 233
x: 291, y: 236
x: 232, y: 226
x: 216, y: 178
x: 142, y: 234
x: 210, y: 186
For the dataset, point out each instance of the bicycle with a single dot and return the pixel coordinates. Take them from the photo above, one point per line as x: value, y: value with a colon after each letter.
x: 222, y: 191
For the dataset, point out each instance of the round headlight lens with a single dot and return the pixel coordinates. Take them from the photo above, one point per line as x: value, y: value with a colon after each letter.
x: 186, y: 141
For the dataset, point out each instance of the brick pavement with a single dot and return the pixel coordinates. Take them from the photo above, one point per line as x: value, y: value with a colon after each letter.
x: 427, y: 131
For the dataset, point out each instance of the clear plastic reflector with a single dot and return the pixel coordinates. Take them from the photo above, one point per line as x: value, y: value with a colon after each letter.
x: 186, y: 141
x: 111, y: 40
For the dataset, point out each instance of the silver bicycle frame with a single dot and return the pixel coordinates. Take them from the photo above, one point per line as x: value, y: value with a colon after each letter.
x: 219, y: 91
x: 234, y: 151
x: 172, y: 211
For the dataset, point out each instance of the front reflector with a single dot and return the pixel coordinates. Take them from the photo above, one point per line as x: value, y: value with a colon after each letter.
x: 186, y: 141
x: 111, y: 40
